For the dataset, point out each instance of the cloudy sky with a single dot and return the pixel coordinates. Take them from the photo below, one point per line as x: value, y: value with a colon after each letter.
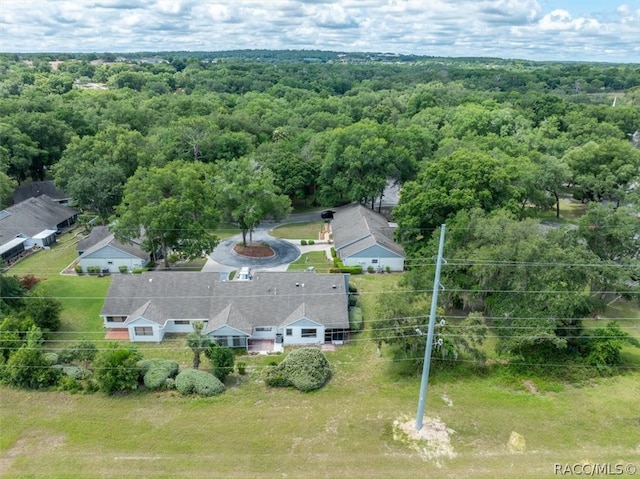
x: 593, y: 30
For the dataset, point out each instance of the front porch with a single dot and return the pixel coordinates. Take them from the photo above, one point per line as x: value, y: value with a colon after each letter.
x: 120, y: 334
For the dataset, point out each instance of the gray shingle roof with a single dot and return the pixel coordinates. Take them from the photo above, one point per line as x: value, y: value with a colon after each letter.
x: 38, y: 188
x: 32, y: 216
x: 356, y: 228
x: 270, y: 299
x: 100, y: 237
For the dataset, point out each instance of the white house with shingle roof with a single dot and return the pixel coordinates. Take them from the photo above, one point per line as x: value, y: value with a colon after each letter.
x: 363, y: 237
x: 284, y: 308
x: 101, y: 249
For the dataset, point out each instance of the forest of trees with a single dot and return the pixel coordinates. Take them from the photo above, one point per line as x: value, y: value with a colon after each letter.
x: 485, y: 145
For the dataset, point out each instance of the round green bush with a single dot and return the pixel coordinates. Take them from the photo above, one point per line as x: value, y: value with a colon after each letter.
x: 76, y: 372
x: 155, y: 378
x: 52, y: 358
x: 192, y: 381
x: 170, y: 366
x: 305, y: 369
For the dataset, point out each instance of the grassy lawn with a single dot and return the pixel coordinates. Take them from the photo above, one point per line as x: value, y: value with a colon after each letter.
x: 344, y: 430
x: 317, y: 259
x: 570, y: 212
x: 307, y: 231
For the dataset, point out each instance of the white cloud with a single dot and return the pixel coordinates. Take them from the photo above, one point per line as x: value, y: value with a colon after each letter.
x: 535, y: 29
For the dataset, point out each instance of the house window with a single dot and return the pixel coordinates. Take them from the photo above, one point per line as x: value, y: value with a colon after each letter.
x: 143, y: 331
x: 109, y: 262
x: 237, y: 342
x: 289, y: 332
x: 263, y: 329
x: 116, y: 319
x: 374, y: 261
x: 181, y: 321
x: 308, y: 333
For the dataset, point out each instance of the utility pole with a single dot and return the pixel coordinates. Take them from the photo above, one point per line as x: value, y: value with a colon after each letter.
x: 430, y: 333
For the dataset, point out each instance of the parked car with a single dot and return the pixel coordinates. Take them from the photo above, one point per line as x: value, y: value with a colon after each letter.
x: 327, y: 214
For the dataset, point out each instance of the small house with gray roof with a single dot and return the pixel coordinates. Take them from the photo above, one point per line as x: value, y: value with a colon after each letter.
x: 101, y: 249
x: 362, y: 237
x: 272, y: 309
x: 32, y: 222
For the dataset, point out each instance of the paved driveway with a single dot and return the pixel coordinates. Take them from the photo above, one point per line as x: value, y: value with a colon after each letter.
x: 224, y: 258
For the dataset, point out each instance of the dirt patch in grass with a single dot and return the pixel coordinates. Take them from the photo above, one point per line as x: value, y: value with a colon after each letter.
x: 432, y: 441
x: 254, y: 250
x: 30, y: 445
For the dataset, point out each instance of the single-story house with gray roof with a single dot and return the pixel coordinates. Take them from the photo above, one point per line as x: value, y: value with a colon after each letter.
x: 32, y: 222
x: 365, y: 238
x: 277, y: 308
x: 100, y: 248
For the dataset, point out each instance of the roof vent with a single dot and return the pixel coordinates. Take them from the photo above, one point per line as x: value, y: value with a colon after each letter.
x: 297, y: 284
x: 150, y: 280
x: 333, y: 286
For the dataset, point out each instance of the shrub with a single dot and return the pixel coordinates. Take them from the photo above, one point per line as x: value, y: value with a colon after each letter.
x: 370, y: 269
x: 28, y: 368
x: 155, y: 372
x: 44, y: 310
x: 192, y: 381
x: 311, y: 242
x: 347, y: 269
x: 242, y: 368
x: 303, y: 242
x: 116, y: 370
x: 76, y: 372
x: 137, y: 271
x: 123, y: 269
x: 353, y: 300
x: 168, y: 365
x: 69, y: 384
x: 78, y: 269
x: 170, y: 383
x: 93, y: 269
x: 305, y: 369
x: 387, y: 269
x: 353, y: 288
x: 355, y: 319
x: 222, y: 360
x: 333, y: 252
x: 83, y: 352
x: 29, y: 281
x: 52, y: 358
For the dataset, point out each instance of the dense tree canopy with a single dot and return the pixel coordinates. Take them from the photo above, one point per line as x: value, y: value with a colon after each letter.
x: 170, y: 207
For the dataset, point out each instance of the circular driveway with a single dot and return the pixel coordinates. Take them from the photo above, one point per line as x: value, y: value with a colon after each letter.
x: 224, y: 258
x: 285, y: 253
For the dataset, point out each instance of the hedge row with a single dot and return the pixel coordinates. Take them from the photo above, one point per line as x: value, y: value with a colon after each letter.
x: 355, y: 319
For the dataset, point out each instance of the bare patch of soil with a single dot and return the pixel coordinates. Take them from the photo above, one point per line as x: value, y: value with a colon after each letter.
x: 432, y: 441
x: 254, y: 250
x: 530, y: 386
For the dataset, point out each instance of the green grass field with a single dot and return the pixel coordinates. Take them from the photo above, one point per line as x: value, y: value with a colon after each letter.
x: 345, y: 430
x: 317, y: 259
x: 306, y: 231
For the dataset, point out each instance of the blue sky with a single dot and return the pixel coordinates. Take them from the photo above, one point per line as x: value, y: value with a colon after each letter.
x: 589, y: 30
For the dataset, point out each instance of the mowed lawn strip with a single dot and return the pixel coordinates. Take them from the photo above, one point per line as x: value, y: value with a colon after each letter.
x: 306, y: 231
